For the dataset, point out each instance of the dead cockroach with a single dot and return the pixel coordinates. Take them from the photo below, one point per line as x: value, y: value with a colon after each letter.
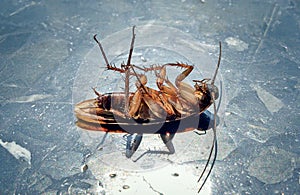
x: 169, y: 110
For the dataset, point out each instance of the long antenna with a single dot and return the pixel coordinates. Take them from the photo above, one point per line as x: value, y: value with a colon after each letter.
x: 214, y: 148
x: 218, y: 65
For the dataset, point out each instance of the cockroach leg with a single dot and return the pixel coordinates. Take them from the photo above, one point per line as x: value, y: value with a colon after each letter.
x: 167, y: 139
x: 96, y: 92
x: 184, y: 74
x: 102, y: 50
x: 205, y: 80
x: 132, y: 145
x: 127, y: 75
x: 198, y: 132
x: 109, y: 66
x: 131, y: 46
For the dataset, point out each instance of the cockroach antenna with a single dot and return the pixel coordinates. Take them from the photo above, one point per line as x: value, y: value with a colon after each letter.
x: 218, y: 65
x: 214, y: 147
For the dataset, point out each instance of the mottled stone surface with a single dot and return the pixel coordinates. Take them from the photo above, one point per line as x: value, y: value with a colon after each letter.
x: 49, y: 62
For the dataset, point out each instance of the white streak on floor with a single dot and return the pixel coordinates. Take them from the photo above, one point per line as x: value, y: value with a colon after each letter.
x: 272, y: 103
x: 17, y: 151
x: 29, y: 98
x: 236, y: 44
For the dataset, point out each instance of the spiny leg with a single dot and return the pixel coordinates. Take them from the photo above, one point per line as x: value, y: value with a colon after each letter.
x: 154, y: 100
x: 110, y: 67
x: 161, y: 78
x: 131, y: 146
x: 169, y: 93
x: 161, y: 75
x: 184, y: 74
x: 127, y: 74
x: 131, y: 47
x: 184, y: 90
x: 181, y: 86
x: 102, y: 50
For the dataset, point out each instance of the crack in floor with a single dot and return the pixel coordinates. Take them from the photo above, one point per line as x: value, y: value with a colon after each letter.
x: 151, y: 187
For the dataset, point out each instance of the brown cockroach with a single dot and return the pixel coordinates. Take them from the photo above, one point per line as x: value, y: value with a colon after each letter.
x: 169, y: 110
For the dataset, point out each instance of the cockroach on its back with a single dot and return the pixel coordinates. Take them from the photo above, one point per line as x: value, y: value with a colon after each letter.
x: 169, y: 110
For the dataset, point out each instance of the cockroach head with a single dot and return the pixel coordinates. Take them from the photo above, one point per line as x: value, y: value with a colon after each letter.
x: 204, y: 88
x: 213, y: 89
